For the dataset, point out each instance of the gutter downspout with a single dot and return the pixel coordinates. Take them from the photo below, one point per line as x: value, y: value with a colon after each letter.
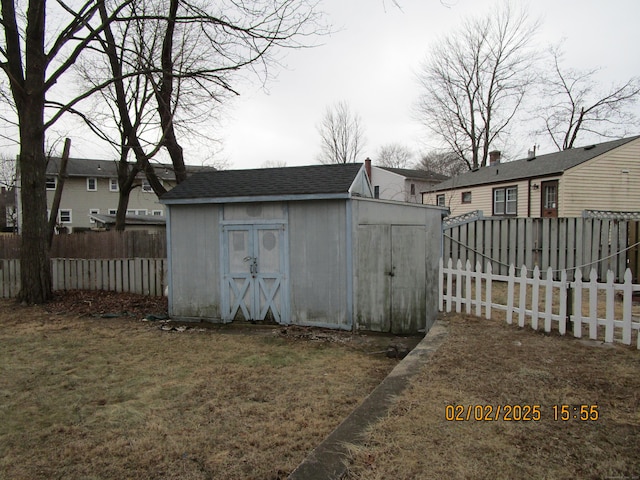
x: 529, y: 198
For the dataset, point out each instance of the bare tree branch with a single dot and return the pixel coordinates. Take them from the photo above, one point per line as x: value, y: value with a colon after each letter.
x: 394, y: 155
x: 341, y: 135
x: 575, y: 104
x: 474, y: 81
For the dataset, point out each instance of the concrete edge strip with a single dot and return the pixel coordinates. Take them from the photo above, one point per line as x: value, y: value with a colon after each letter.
x: 326, y: 461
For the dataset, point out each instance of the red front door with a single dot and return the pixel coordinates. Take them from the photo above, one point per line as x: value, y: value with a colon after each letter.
x: 549, y: 198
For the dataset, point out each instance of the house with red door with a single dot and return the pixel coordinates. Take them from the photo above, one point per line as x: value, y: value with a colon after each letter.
x: 604, y: 176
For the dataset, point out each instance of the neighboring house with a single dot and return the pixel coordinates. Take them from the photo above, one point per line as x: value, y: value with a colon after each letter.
x: 605, y: 176
x: 149, y: 223
x: 8, y: 218
x: 401, y: 184
x: 301, y: 245
x: 91, y: 188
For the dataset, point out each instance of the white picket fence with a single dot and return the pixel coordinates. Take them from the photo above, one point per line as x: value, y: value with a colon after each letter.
x: 146, y: 276
x: 471, y: 289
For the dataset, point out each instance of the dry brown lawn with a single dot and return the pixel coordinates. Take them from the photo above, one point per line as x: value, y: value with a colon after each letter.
x: 84, y: 397
x: 486, y: 362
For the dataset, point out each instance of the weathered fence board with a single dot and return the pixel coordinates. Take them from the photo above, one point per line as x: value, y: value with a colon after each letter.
x: 463, y: 286
x: 110, y: 244
x: 146, y: 276
x: 559, y: 243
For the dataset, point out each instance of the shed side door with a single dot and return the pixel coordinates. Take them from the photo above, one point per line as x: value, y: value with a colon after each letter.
x: 374, y: 277
x: 408, y: 284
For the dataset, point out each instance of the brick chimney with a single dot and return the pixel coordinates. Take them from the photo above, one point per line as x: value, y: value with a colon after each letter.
x: 494, y: 157
x: 367, y: 167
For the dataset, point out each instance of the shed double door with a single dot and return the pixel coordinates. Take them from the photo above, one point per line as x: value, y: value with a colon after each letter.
x: 254, y: 284
x: 391, y: 291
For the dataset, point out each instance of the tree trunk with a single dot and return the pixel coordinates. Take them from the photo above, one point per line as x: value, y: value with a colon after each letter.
x: 121, y: 214
x: 35, y: 265
x: 29, y: 93
x: 164, y: 99
x: 62, y: 175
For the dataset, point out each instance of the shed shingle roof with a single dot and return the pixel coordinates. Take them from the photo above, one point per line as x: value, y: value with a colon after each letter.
x: 307, y: 180
x: 540, y: 166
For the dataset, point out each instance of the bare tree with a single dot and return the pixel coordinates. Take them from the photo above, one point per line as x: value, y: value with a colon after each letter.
x: 36, y: 56
x: 394, y: 155
x: 444, y: 163
x: 575, y: 104
x: 341, y: 134
x: 474, y: 81
x: 274, y: 164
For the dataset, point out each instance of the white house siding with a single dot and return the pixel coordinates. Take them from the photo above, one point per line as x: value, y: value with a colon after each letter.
x: 194, y: 257
x: 391, y: 185
x: 318, y: 263
x: 600, y: 184
x: 80, y: 201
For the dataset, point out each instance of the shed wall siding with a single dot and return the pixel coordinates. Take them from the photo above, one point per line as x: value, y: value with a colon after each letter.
x: 195, y: 261
x: 599, y: 184
x: 318, y: 263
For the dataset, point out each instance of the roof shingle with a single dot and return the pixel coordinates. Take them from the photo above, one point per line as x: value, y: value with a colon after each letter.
x: 306, y: 180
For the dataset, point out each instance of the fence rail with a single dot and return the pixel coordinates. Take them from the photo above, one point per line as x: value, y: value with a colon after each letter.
x: 146, y: 276
x: 103, y: 245
x: 563, y: 305
x: 559, y: 243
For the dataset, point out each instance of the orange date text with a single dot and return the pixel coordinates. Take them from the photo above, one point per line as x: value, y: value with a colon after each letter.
x: 493, y: 413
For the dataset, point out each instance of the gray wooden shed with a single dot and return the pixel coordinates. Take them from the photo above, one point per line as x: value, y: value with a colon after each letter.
x: 301, y: 245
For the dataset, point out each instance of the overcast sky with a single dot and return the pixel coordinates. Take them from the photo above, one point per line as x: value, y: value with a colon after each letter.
x: 371, y: 62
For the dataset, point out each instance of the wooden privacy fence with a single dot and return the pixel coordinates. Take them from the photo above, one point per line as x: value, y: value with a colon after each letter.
x: 559, y: 243
x: 566, y: 305
x: 109, y: 244
x: 146, y: 276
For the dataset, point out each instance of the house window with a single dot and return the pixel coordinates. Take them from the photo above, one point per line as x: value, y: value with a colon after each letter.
x: 51, y: 183
x: 550, y: 196
x: 92, y: 184
x: 113, y: 211
x: 140, y: 211
x: 413, y: 189
x: 466, y: 197
x: 157, y: 213
x: 505, y: 201
x: 376, y: 191
x: 64, y: 216
x: 93, y: 211
x: 146, y: 186
x: 113, y: 185
x: 440, y: 200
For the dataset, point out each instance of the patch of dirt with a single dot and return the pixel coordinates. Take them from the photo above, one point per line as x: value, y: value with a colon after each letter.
x: 373, y: 343
x: 106, y: 304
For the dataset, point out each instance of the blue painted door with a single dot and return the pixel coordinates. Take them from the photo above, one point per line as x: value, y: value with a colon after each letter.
x: 254, y: 283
